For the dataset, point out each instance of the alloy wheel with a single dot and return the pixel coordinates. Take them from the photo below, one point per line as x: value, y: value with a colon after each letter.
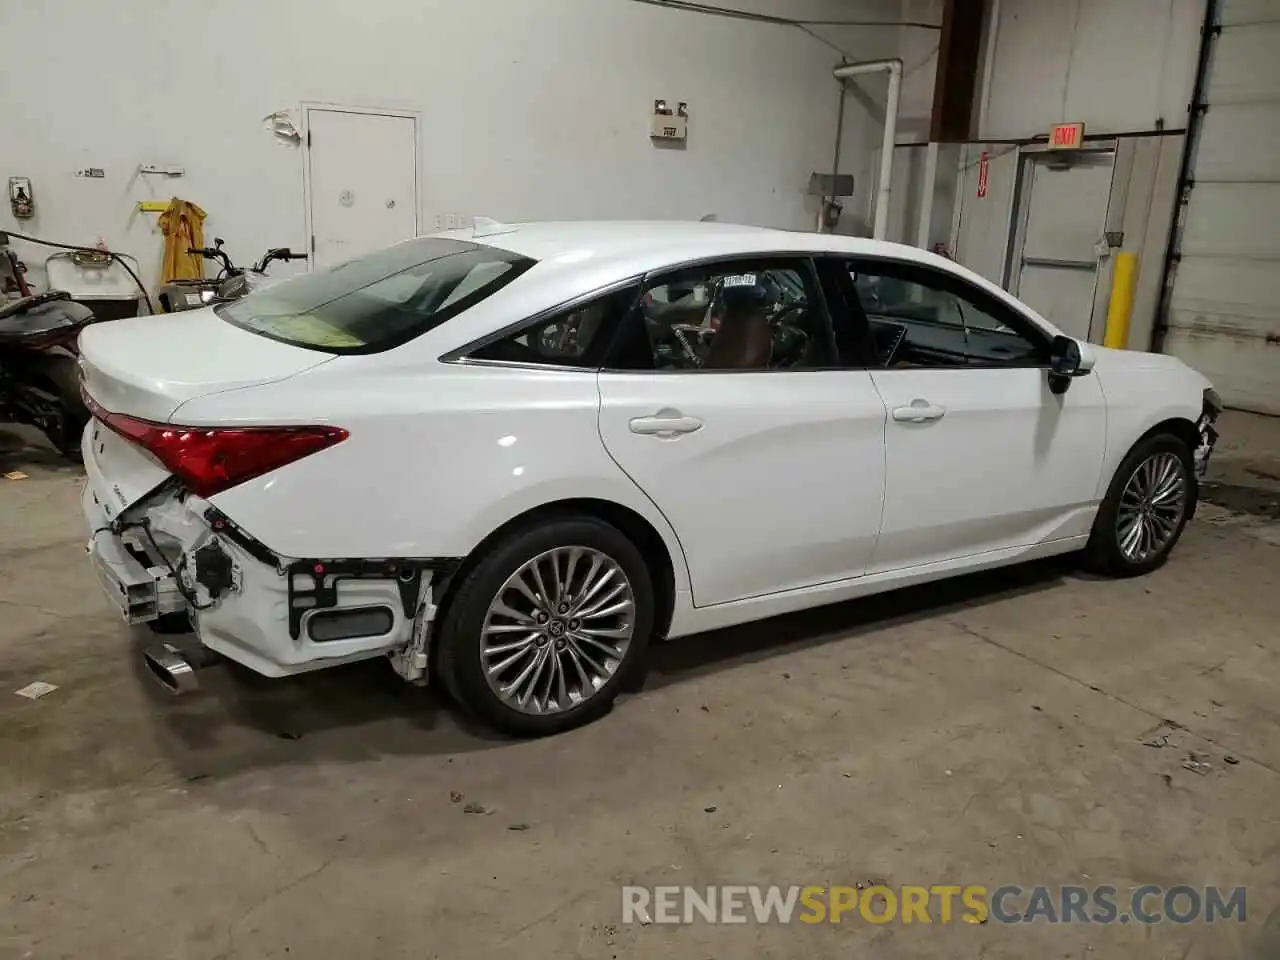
x: 557, y: 630
x: 1151, y: 506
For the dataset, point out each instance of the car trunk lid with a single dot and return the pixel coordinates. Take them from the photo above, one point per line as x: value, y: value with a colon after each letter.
x: 148, y: 367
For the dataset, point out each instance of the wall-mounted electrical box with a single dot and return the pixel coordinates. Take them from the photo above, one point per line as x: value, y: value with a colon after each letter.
x: 21, y: 200
x: 668, y: 124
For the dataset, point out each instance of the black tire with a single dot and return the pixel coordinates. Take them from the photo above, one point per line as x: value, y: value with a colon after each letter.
x: 62, y: 374
x: 1103, y: 554
x: 458, y: 644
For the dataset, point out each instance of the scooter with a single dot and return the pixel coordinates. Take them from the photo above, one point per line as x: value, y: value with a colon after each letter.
x: 39, y: 367
x: 230, y: 283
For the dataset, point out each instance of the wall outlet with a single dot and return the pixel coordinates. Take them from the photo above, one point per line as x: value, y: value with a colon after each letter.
x: 450, y: 221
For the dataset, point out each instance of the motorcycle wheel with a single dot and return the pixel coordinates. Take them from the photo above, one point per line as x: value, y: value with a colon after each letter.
x: 62, y: 374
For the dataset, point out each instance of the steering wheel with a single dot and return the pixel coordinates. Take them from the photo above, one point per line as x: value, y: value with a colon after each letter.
x: 790, y: 346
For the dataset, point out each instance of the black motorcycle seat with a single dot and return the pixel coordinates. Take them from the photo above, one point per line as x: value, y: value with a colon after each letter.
x: 43, y: 317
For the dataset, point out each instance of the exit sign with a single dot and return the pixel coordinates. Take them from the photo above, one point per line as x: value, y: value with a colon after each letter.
x: 1066, y: 136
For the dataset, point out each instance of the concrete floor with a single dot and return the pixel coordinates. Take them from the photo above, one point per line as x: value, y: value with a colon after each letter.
x: 985, y: 731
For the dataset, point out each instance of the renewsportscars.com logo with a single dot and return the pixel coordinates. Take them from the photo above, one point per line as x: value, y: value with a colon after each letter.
x: 939, y: 903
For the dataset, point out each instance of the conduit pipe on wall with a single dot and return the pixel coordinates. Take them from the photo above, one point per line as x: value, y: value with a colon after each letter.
x: 894, y: 68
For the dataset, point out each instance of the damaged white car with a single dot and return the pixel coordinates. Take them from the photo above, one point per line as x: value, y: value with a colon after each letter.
x: 507, y: 458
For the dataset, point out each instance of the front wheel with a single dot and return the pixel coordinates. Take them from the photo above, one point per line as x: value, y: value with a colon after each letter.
x: 545, y: 629
x: 1150, y: 500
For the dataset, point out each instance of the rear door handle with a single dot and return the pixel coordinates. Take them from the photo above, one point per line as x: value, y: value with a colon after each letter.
x: 665, y: 423
x: 920, y: 411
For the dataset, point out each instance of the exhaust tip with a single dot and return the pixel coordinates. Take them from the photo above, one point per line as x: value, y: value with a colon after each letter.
x: 170, y: 668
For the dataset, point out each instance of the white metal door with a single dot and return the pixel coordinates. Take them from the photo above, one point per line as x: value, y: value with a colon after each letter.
x: 995, y: 460
x: 775, y: 480
x: 362, y: 182
x: 1224, y: 309
x: 1062, y: 236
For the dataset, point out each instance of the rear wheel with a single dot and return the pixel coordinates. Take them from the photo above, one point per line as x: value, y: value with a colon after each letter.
x: 61, y: 374
x: 545, y: 629
x: 1146, y: 508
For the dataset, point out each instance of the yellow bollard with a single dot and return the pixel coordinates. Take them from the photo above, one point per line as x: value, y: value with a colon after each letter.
x: 1124, y: 279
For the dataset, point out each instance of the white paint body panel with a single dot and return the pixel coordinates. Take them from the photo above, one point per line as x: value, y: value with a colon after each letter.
x: 150, y: 366
x: 780, y: 488
x: 778, y: 502
x: 1009, y: 464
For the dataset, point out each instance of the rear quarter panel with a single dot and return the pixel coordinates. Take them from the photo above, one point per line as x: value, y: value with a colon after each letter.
x: 439, y: 456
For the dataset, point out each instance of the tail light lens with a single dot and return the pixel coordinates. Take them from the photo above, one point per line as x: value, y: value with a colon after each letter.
x: 209, y: 460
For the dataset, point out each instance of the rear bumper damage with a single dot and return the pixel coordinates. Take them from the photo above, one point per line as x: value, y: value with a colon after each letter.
x: 175, y: 553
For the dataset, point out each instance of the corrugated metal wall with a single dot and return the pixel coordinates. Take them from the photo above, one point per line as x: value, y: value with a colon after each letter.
x: 1224, y: 309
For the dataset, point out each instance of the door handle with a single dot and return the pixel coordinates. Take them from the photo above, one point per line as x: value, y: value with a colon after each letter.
x: 920, y: 411
x: 665, y: 423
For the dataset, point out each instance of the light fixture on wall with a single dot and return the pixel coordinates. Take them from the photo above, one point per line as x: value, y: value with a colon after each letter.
x: 283, y: 128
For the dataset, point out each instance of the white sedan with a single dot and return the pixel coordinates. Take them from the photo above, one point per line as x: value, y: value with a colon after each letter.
x: 511, y: 456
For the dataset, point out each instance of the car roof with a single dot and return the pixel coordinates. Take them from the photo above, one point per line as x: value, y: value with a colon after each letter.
x: 579, y: 258
x: 575, y: 241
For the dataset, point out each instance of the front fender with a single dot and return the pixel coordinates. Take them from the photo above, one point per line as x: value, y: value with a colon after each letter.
x: 1142, y: 396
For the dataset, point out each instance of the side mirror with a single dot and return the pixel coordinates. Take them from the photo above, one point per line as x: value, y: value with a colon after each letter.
x: 1064, y: 356
x: 1066, y: 360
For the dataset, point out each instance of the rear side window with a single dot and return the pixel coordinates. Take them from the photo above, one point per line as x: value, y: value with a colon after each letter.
x: 378, y: 301
x: 576, y: 336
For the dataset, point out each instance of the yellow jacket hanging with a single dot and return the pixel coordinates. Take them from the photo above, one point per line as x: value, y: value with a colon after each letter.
x: 183, y: 228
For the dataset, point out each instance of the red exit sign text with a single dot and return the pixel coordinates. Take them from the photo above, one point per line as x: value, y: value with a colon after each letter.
x: 1066, y: 136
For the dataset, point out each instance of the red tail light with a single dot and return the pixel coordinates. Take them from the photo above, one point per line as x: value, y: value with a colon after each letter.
x: 208, y: 460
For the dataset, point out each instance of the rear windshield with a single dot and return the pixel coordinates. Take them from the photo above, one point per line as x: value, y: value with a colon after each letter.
x: 378, y: 301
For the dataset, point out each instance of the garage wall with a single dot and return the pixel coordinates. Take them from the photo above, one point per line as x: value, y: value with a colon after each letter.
x: 1224, y: 308
x: 866, y: 97
x: 1117, y: 65
x: 530, y: 108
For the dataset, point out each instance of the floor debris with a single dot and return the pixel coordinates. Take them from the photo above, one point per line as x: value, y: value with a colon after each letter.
x: 15, y: 475
x: 1197, y: 763
x: 36, y: 690
x: 477, y: 809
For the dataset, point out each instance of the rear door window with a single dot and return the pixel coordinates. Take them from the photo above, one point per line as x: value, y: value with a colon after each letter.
x: 576, y: 336
x: 379, y: 301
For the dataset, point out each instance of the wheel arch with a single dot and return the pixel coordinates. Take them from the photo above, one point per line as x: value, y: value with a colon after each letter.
x: 636, y: 528
x: 1182, y: 428
x: 1177, y: 426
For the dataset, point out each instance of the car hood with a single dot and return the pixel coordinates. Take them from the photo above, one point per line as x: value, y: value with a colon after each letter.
x: 148, y: 367
x: 1108, y: 358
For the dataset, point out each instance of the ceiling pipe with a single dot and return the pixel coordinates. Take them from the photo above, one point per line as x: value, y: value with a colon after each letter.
x: 894, y: 68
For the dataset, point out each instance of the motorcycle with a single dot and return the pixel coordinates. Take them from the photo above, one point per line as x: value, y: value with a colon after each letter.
x: 230, y: 283
x: 39, y: 367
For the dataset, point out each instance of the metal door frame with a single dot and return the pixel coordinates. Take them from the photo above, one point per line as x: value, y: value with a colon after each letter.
x: 307, y: 106
x: 1023, y: 186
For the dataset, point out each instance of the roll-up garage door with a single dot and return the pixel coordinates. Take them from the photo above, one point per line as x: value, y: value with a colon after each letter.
x: 1224, y: 309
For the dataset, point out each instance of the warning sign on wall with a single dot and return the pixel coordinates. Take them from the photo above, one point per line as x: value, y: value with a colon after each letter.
x: 983, y: 164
